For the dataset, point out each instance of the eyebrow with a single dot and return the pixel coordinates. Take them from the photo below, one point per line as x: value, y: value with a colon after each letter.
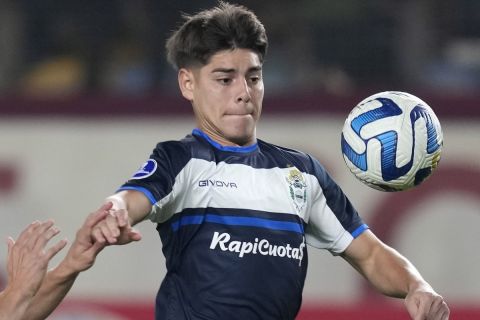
x: 232, y: 70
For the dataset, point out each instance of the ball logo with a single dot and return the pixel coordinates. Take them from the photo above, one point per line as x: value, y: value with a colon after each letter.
x: 146, y: 170
x: 388, y: 139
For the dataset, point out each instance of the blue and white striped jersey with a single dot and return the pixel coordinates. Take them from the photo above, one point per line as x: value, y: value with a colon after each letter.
x: 234, y: 224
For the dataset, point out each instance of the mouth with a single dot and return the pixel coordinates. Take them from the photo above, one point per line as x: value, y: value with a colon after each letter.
x: 238, y: 114
x: 244, y: 113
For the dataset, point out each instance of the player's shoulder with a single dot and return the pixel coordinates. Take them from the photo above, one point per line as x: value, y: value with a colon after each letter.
x: 184, y: 149
x: 300, y: 159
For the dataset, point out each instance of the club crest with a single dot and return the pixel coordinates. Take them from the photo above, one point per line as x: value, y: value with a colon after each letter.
x: 298, y: 188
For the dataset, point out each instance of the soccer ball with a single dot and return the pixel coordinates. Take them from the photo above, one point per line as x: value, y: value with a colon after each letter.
x: 392, y: 141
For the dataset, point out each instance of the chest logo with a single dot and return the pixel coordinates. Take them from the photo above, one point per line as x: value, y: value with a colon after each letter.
x: 298, y: 188
x: 217, y: 183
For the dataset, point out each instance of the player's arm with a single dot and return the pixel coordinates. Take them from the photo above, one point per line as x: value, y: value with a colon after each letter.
x: 27, y: 264
x: 58, y: 281
x: 129, y: 208
x: 393, y: 275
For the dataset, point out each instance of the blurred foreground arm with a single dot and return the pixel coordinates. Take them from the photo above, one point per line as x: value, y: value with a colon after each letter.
x: 80, y: 257
x: 393, y: 275
x: 27, y: 265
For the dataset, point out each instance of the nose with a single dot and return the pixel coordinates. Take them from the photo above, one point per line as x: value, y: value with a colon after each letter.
x: 244, y: 92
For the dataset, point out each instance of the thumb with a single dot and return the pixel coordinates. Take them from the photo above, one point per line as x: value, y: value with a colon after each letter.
x: 134, y: 235
x: 97, y: 247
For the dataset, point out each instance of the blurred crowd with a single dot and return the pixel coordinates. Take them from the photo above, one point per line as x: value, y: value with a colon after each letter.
x: 55, y: 47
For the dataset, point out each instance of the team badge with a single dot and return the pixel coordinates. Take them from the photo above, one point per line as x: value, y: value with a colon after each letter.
x: 146, y: 170
x: 297, y: 188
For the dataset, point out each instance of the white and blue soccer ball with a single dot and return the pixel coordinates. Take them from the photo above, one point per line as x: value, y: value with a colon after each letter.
x: 392, y: 141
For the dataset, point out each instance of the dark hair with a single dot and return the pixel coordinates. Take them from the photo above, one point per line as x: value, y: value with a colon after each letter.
x: 223, y: 27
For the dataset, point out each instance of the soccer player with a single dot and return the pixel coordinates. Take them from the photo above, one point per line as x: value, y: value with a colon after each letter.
x: 235, y: 213
x: 33, y: 293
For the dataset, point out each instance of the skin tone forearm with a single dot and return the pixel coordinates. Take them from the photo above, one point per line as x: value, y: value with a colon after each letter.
x: 27, y: 265
x: 393, y: 275
x: 388, y: 271
x: 59, y: 281
x: 54, y: 288
x: 13, y: 304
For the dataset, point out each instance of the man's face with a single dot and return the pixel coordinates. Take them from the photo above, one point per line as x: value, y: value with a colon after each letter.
x: 226, y: 95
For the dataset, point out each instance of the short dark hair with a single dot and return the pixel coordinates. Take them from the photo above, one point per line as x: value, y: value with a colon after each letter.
x: 223, y: 27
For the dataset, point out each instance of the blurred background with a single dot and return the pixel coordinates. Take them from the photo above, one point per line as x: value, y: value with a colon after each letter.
x: 86, y: 93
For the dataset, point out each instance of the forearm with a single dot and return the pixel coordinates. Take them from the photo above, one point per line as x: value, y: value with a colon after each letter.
x: 386, y: 269
x: 13, y: 304
x: 54, y: 288
x: 391, y: 273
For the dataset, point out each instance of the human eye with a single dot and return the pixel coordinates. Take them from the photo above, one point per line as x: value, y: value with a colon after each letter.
x: 224, y: 81
x: 254, y: 79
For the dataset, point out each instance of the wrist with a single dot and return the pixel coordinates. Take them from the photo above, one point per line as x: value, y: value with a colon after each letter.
x: 419, y: 285
x: 64, y: 272
x: 14, y: 302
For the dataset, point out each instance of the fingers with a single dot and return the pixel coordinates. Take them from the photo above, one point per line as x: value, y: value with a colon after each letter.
x: 114, y: 226
x: 134, y: 235
x: 28, y: 257
x: 122, y: 218
x: 423, y: 309
x: 10, y: 244
x: 51, y: 252
x: 98, y: 215
x: 440, y: 309
x: 25, y: 237
x: 43, y: 233
x: 107, y: 230
x: 427, y: 306
x: 97, y: 247
x: 98, y: 236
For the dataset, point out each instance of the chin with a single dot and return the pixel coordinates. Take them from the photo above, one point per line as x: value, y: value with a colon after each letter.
x: 240, y: 133
x: 241, y: 139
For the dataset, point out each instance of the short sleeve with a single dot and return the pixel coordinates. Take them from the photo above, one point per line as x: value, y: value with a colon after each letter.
x: 333, y: 221
x: 157, y: 176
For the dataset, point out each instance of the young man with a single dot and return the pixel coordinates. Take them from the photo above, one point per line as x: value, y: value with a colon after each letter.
x: 33, y: 293
x: 235, y: 213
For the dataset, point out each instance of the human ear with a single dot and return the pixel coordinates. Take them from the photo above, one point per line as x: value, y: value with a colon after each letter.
x: 186, y: 83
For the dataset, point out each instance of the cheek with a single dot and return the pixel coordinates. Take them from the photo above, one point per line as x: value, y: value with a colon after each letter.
x: 211, y: 104
x: 258, y: 96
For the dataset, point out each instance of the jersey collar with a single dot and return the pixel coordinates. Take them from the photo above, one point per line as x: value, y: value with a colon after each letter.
x: 246, y: 149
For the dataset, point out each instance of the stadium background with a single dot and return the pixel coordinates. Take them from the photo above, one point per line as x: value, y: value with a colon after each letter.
x: 85, y: 94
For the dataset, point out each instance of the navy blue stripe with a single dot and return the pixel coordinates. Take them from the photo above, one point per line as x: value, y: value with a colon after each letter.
x: 218, y: 146
x: 238, y: 221
x: 359, y: 230
x: 145, y: 191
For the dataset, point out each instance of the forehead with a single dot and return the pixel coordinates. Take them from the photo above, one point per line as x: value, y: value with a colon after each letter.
x: 234, y: 59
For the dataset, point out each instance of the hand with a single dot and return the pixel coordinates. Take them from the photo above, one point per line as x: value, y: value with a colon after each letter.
x: 115, y: 229
x: 426, y: 304
x: 84, y: 249
x: 28, y: 259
